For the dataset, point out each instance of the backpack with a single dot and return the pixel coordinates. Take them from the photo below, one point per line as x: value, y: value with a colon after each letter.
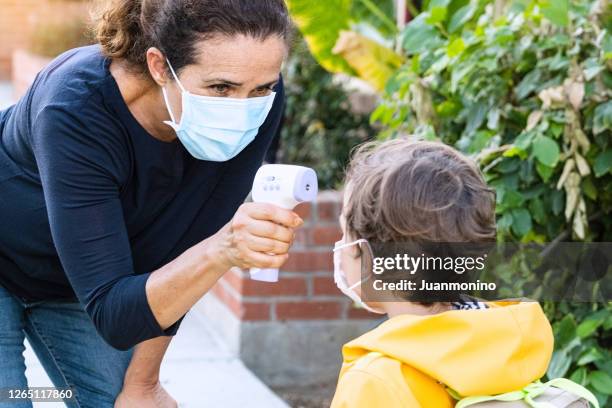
x: 557, y: 393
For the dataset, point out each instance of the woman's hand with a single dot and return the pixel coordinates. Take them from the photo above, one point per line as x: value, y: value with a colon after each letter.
x: 144, y: 396
x: 259, y: 236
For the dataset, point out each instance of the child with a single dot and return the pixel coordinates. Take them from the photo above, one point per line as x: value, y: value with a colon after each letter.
x: 420, y: 192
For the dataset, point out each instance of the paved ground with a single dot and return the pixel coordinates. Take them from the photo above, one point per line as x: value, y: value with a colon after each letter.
x: 198, y: 370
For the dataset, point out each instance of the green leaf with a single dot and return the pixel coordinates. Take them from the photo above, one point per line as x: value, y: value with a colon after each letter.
x: 461, y: 16
x: 455, y: 48
x: 448, y: 108
x: 475, y: 143
x: 512, y: 199
x: 601, y: 381
x: 589, y: 188
x: 528, y: 84
x: 458, y: 74
x: 514, y: 151
x: 601, y: 398
x: 592, y: 354
x: 544, y: 171
x: 606, y: 45
x: 546, y: 150
x: 589, y: 325
x: 419, y: 36
x: 592, y: 68
x: 380, y: 14
x: 559, y: 364
x: 556, y: 129
x: 565, y: 330
x: 537, y: 210
x: 505, y: 222
x: 535, y: 191
x: 436, y: 15
x: 557, y: 11
x: 558, y: 201
x: 432, y: 4
x: 373, y: 62
x: 476, y: 114
x: 493, y: 118
x: 321, y: 29
x: 602, y: 117
x: 522, y: 222
x: 604, y: 365
x: 579, y: 376
x: 603, y: 163
x: 608, y: 322
x: 524, y: 140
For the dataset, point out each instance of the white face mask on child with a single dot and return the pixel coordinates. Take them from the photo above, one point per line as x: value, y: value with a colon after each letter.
x: 340, y: 276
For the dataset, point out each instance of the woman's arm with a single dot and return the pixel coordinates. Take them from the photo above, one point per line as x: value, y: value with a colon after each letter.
x: 141, y: 386
x: 259, y: 235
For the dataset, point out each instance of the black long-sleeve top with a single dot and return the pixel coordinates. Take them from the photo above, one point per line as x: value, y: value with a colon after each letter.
x: 91, y: 204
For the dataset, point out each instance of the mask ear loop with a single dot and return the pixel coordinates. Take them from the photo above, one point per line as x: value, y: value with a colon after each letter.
x: 165, y: 94
x: 175, y: 76
x: 348, y: 244
x: 358, y: 283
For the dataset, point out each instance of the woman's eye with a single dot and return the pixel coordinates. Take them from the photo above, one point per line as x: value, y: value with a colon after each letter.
x: 263, y: 91
x: 220, y: 89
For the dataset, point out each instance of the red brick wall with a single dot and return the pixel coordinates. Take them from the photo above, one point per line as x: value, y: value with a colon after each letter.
x: 306, y: 288
x: 19, y: 17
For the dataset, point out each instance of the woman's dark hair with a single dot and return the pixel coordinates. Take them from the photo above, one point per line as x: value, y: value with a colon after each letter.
x: 127, y: 28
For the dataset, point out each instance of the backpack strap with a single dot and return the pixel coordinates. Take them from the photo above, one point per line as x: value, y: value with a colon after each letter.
x: 529, y: 393
x: 507, y: 397
x: 563, y: 384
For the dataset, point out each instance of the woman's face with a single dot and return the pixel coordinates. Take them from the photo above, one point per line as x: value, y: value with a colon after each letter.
x: 234, y: 67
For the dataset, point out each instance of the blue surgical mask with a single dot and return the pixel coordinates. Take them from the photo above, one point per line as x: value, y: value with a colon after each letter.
x: 215, y: 128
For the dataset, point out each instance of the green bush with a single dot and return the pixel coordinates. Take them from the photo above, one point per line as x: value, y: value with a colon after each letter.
x: 583, y: 339
x: 524, y: 87
x: 528, y: 96
x: 320, y: 128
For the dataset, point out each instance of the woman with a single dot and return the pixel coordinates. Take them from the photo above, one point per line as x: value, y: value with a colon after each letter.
x: 122, y: 174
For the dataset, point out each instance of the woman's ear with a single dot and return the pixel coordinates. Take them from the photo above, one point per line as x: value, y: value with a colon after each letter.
x: 158, y: 66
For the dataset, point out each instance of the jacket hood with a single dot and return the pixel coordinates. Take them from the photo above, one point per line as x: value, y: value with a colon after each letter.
x: 474, y: 352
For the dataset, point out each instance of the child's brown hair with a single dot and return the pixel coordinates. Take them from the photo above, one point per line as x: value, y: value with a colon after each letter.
x: 417, y: 191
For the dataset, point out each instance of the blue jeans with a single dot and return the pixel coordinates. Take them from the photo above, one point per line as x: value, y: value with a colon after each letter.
x: 68, y: 347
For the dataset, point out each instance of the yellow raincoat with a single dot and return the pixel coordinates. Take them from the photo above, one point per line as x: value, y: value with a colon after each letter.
x: 408, y: 361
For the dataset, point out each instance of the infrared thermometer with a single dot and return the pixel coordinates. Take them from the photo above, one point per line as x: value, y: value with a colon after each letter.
x: 286, y: 186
